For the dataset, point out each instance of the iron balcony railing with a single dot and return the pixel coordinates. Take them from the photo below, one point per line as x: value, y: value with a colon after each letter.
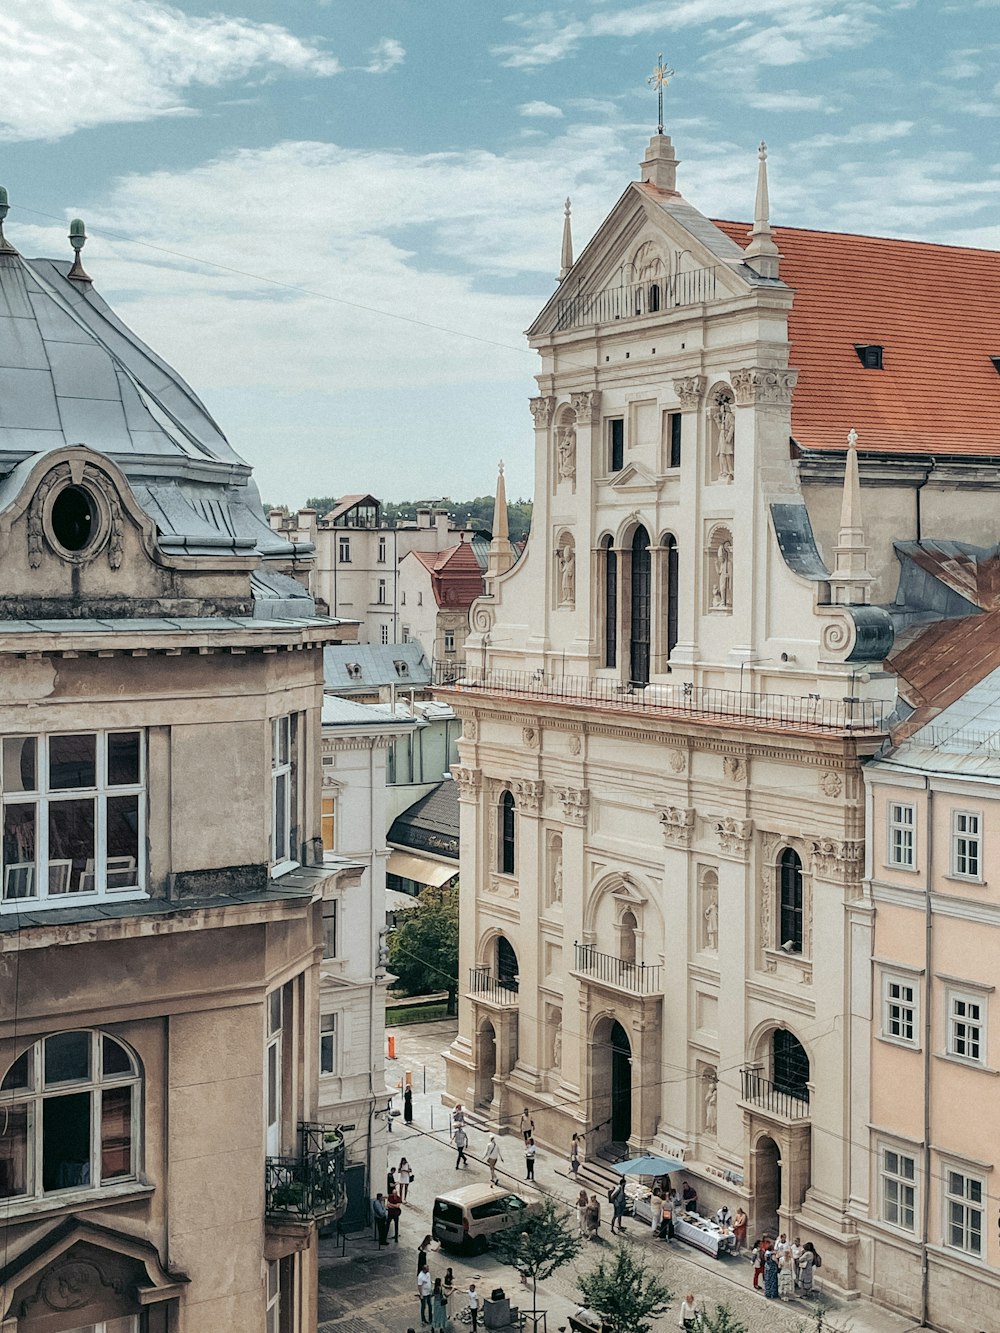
x: 313, y: 1185
x: 788, y: 711
x: 636, y: 978
x: 761, y: 1092
x: 497, y: 990
x: 635, y: 300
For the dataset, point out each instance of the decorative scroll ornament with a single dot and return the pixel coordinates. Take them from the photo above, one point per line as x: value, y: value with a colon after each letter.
x: 542, y: 409
x: 768, y: 842
x: 836, y: 639
x: 469, y: 782
x: 470, y: 729
x: 677, y: 825
x: 575, y: 803
x: 836, y: 859
x: 587, y: 406
x: 690, y: 390
x: 36, y: 539
x: 528, y: 795
x: 734, y: 835
x: 758, y: 384
x: 529, y: 735
x: 735, y: 768
x: 482, y: 616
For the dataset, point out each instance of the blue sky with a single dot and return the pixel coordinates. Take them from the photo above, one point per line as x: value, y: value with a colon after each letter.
x: 285, y: 199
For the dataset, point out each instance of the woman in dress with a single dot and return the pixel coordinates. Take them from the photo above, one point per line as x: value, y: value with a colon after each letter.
x: 407, y: 1106
x: 786, y: 1276
x: 439, y: 1307
x: 770, y: 1276
x: 422, y: 1253
x: 740, y: 1229
x: 448, y: 1284
x: 581, y: 1211
x: 404, y: 1174
x: 807, y: 1261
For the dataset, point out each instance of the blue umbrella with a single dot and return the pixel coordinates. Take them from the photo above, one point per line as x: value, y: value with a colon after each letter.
x: 647, y: 1166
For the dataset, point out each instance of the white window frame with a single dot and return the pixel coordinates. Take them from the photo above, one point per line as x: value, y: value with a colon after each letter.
x: 898, y: 1192
x: 274, y: 1041
x: 284, y: 742
x: 381, y: 550
x: 901, y: 819
x: 385, y: 636
x: 967, y: 845
x: 449, y: 640
x: 960, y: 1205
x: 343, y: 550
x: 331, y: 928
x: 904, y: 1004
x: 383, y: 594
x: 43, y: 875
x: 329, y: 1044
x: 964, y: 1028
x: 272, y: 1291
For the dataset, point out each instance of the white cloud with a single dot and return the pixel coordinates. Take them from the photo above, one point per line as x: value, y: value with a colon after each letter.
x: 540, y: 109
x: 788, y: 102
x: 386, y: 56
x: 74, y: 64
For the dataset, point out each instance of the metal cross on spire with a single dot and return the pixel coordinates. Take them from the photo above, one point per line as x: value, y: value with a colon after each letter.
x: 659, y: 79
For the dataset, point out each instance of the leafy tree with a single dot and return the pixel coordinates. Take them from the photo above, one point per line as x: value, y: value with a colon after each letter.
x: 544, y: 1243
x: 722, y: 1320
x: 423, y: 949
x: 625, y: 1292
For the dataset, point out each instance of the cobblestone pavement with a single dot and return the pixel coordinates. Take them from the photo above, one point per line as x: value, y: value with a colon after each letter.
x: 371, y: 1291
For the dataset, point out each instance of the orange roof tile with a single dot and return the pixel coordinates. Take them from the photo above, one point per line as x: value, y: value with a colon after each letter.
x: 456, y: 578
x: 934, y: 309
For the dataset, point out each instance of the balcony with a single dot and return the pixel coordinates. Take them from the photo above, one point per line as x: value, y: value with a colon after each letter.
x: 807, y: 714
x: 635, y: 300
x: 312, y: 1186
x: 607, y: 970
x: 766, y: 1096
x: 484, y: 986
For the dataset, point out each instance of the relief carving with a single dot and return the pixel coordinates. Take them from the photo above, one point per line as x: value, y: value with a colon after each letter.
x: 587, y: 406
x: 768, y: 842
x: 677, y: 825
x: 529, y: 735
x: 677, y: 761
x: 575, y: 743
x: 690, y: 389
x: 542, y: 409
x: 757, y: 384
x: 566, y: 453
x: 831, y: 784
x: 575, y: 803
x: 734, y: 767
x: 566, y: 567
x: 838, y: 860
x: 734, y: 835
x: 469, y: 782
x: 528, y: 795
x: 470, y: 729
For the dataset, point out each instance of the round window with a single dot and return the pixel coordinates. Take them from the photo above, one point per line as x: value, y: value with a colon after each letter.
x: 73, y: 518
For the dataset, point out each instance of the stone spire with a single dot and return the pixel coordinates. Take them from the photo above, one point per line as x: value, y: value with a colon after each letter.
x: 659, y: 166
x: 566, y: 258
x: 501, y: 551
x: 850, y: 582
x: 762, y: 254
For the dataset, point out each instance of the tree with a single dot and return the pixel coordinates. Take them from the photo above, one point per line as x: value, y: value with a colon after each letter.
x: 722, y: 1320
x: 423, y: 949
x: 625, y: 1293
x: 537, y: 1248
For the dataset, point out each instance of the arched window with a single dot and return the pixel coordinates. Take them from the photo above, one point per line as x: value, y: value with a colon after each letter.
x: 69, y: 1116
x: 610, y: 603
x: 789, y: 1065
x: 507, y: 968
x: 506, y: 821
x: 654, y: 297
x: 670, y: 591
x: 627, y: 941
x: 790, y: 907
x: 639, y: 645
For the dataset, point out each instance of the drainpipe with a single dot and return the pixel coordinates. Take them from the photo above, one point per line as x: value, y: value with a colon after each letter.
x: 928, y: 959
x: 916, y: 494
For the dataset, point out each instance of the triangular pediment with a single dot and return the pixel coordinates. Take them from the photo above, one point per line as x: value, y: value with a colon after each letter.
x: 633, y: 477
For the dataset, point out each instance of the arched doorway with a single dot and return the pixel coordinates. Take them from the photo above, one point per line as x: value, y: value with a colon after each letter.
x: 486, y: 1064
x: 767, y: 1186
x: 621, y: 1085
x: 639, y: 635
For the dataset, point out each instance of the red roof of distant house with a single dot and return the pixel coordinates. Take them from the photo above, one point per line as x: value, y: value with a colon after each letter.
x: 456, y: 578
x: 935, y: 309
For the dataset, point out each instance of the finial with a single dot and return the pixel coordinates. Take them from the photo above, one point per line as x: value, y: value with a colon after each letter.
x: 762, y: 254
x: 762, y: 151
x: 566, y: 256
x: 78, y: 239
x: 852, y: 438
x: 5, y: 247
x: 501, y: 467
x: 659, y: 79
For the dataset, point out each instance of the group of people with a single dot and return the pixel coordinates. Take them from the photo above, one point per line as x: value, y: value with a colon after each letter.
x: 588, y: 1215
x: 387, y: 1208
x: 437, y: 1293
x: 784, y: 1266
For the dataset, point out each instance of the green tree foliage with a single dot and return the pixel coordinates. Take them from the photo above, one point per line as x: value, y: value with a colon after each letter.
x: 544, y: 1243
x: 625, y: 1292
x: 721, y: 1320
x: 423, y: 949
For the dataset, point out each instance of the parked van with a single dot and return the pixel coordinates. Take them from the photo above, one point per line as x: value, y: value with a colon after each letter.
x: 467, y: 1217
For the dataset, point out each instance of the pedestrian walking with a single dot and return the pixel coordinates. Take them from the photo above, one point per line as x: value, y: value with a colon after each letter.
x: 458, y: 1117
x: 423, y: 1251
x: 394, y: 1204
x: 594, y: 1218
x: 473, y: 1300
x: 493, y: 1155
x: 688, y: 1313
x: 581, y: 1211
x: 407, y: 1106
x: 575, y: 1147
x: 381, y: 1216
x: 530, y: 1153
x: 666, y: 1231
x: 461, y: 1141
x: 527, y: 1125
x: 404, y: 1174
x: 439, y: 1307
x: 424, y: 1289
x: 619, y: 1206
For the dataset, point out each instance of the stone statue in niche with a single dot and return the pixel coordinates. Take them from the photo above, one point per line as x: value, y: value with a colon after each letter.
x: 722, y: 598
x: 710, y: 916
x: 566, y: 453
x: 567, y: 575
x: 557, y: 1045
x: 711, y: 1102
x: 725, y: 420
x: 557, y: 872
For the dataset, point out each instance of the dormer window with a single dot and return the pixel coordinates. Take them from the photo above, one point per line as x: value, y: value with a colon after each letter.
x: 354, y: 670
x: 402, y: 668
x: 996, y: 363
x: 870, y: 355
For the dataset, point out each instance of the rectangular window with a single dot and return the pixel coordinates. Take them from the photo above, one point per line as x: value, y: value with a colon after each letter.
x: 344, y: 550
x: 898, y: 1188
x: 449, y: 641
x: 675, y: 439
x: 964, y: 1201
x: 283, y: 832
x: 967, y: 1026
x: 965, y: 834
x: 74, y: 809
x: 328, y: 1044
x: 273, y: 1296
x: 329, y: 823
x: 616, y: 444
x: 381, y: 550
x: 381, y: 592
x: 385, y: 635
x: 902, y: 834
x: 899, y: 1009
x: 330, y: 928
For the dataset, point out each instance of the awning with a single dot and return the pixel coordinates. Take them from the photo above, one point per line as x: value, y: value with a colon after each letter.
x: 420, y: 869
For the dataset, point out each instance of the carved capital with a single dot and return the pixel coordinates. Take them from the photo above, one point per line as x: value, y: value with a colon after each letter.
x: 542, y: 409
x: 758, y: 384
x: 575, y: 804
x: 677, y: 825
x: 469, y: 781
x: 690, y: 389
x: 528, y: 795
x: 837, y: 859
x: 587, y: 406
x: 734, y: 835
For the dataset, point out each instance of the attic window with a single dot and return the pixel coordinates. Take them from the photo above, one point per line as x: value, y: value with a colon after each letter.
x: 402, y: 668
x: 996, y: 363
x: 870, y: 355
x: 354, y: 670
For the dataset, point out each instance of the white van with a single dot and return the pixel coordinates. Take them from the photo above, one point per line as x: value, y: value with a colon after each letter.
x: 467, y: 1217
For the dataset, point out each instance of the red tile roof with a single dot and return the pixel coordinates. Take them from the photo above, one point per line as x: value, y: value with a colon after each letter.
x: 936, y: 311
x: 456, y: 578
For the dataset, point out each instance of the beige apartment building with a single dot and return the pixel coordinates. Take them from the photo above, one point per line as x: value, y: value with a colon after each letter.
x: 162, y: 1165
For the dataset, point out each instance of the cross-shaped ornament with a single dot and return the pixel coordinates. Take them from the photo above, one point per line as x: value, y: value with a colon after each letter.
x: 659, y: 79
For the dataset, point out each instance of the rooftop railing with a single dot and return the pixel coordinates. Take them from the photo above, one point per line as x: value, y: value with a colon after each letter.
x: 808, y: 712
x: 313, y: 1185
x: 497, y: 990
x: 767, y: 1096
x: 636, y: 978
x: 634, y: 300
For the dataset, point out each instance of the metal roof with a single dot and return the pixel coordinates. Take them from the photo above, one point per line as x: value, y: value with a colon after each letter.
x: 348, y: 713
x: 963, y: 738
x: 431, y: 823
x: 363, y: 667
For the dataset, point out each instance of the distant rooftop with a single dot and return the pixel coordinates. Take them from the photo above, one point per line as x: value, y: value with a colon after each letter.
x: 365, y: 667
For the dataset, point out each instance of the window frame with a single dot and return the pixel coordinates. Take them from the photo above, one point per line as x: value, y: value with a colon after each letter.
x: 331, y: 932
x: 506, y: 833
x: 329, y: 1044
x: 794, y: 911
x: 890, y: 979
x: 952, y: 1199
x: 969, y: 839
x: 958, y: 995
x: 616, y: 444
x: 284, y: 857
x: 900, y: 1184
x: 676, y: 437
x: 343, y: 550
x: 894, y: 825
x: 381, y: 551
x: 383, y: 593
x: 449, y: 641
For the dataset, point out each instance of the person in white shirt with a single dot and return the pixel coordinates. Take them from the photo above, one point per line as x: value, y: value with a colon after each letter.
x: 530, y: 1153
x: 782, y: 1245
x: 473, y: 1299
x: 656, y: 1211
x: 724, y: 1217
x: 424, y: 1288
x: 492, y: 1156
x: 688, y: 1312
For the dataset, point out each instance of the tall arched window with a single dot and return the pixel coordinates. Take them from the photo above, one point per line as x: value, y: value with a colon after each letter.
x: 654, y: 297
x: 627, y: 936
x: 610, y: 603
x: 69, y: 1116
x: 789, y: 1065
x: 670, y: 592
x: 505, y: 816
x: 639, y: 645
x: 790, y: 907
x: 507, y: 966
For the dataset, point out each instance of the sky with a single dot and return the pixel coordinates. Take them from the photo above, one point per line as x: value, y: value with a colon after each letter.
x: 336, y: 219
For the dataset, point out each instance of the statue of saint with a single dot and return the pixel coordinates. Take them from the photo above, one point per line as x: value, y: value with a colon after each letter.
x: 711, y: 1105
x: 566, y: 452
x: 725, y: 419
x: 711, y: 915
x: 557, y: 875
x: 567, y: 575
x: 557, y: 1047
x: 724, y: 572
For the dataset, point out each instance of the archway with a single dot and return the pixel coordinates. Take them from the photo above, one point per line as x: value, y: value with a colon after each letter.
x: 507, y: 966
x: 767, y: 1186
x: 621, y: 1085
x: 486, y: 1064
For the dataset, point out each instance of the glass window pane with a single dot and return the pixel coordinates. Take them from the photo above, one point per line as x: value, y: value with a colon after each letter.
x: 72, y: 762
x: 274, y: 1012
x: 123, y: 758
x: 123, y: 842
x: 20, y: 767
x: 19, y: 870
x: 116, y: 1133
x: 115, y: 1059
x: 66, y: 1141
x: 18, y: 1076
x: 71, y: 838
x: 14, y: 1124
x: 281, y: 817
x: 67, y: 1057
x: 272, y: 1084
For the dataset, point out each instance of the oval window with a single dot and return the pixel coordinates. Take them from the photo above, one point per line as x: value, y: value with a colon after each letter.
x: 73, y: 518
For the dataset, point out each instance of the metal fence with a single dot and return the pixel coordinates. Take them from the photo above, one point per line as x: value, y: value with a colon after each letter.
x: 634, y: 300
x: 760, y: 1091
x: 312, y: 1185
x: 498, y: 990
x: 634, y: 977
